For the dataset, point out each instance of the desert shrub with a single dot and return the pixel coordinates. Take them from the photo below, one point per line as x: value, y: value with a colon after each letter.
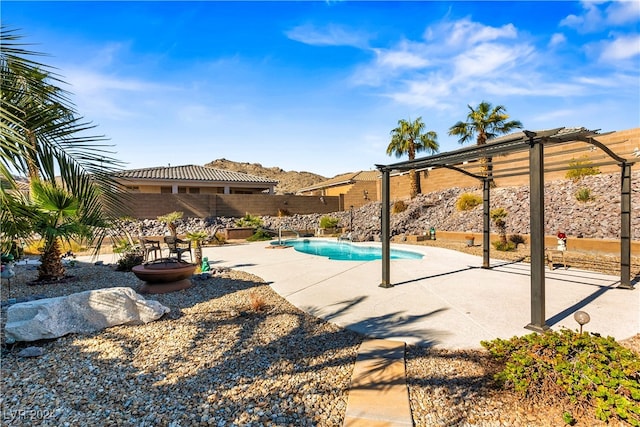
x: 589, y: 370
x: 398, y: 206
x: 579, y: 168
x: 504, y: 246
x: 468, y: 201
x: 249, y: 221
x: 256, y: 302
x: 328, y: 222
x: 516, y: 239
x: 584, y: 194
x: 129, y: 259
x: 259, y: 235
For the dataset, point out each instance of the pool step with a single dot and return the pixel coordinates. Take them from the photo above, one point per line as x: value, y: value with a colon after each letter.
x: 378, y: 395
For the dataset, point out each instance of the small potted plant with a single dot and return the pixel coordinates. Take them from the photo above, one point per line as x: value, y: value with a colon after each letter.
x: 470, y: 238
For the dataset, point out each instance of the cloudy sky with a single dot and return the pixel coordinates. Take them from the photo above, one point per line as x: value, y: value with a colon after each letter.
x: 318, y: 86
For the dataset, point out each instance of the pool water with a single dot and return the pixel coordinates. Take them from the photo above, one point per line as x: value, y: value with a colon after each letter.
x: 344, y: 251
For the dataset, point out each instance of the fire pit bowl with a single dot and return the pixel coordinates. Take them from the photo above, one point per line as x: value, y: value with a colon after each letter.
x: 164, y: 275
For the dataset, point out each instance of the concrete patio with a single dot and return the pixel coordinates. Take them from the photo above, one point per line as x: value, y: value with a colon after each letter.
x: 444, y: 300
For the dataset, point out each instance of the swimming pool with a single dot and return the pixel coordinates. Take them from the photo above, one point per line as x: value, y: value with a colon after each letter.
x: 344, y: 251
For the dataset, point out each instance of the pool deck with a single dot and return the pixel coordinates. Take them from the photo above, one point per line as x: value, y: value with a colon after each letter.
x: 444, y: 300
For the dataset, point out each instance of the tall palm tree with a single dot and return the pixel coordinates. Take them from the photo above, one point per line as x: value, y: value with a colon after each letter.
x: 410, y: 138
x: 41, y: 136
x: 484, y: 122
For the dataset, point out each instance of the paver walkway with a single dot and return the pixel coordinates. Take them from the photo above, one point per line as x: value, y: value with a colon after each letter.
x: 378, y: 396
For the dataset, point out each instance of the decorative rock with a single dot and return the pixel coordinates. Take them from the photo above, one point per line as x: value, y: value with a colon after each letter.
x: 31, y: 352
x: 82, y: 312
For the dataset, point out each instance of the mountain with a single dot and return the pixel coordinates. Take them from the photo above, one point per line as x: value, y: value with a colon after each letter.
x: 288, y: 181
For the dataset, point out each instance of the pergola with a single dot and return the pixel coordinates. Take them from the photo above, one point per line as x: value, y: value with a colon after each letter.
x: 533, y: 143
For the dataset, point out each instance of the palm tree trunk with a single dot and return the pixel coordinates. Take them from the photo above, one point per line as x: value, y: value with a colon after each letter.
x: 197, y: 250
x: 415, y: 183
x: 51, y: 267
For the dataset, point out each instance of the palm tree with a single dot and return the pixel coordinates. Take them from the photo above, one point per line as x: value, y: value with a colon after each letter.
x: 410, y: 138
x: 57, y: 215
x: 485, y: 123
x: 41, y: 136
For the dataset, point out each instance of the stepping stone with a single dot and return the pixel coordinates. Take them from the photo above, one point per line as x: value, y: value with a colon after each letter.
x: 378, y: 395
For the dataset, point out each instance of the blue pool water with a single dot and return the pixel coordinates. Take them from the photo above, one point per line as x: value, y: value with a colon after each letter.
x: 344, y: 251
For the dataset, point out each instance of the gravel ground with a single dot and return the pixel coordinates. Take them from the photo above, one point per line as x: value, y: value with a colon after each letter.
x: 232, y: 352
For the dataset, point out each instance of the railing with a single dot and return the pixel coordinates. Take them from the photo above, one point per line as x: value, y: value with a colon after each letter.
x: 281, y: 229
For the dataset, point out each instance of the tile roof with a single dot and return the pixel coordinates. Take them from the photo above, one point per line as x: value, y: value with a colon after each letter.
x: 192, y: 173
x: 345, y: 178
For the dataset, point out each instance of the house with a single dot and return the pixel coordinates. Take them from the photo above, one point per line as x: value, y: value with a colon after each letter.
x: 354, y: 188
x: 193, y: 179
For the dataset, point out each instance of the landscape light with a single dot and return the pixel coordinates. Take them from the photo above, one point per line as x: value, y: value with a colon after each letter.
x: 582, y: 317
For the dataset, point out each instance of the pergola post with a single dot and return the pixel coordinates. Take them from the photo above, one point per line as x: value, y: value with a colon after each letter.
x: 536, y: 186
x: 385, y: 231
x: 486, y: 222
x: 625, y: 227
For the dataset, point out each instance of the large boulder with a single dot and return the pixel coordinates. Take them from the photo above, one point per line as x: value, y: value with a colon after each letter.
x: 83, y: 312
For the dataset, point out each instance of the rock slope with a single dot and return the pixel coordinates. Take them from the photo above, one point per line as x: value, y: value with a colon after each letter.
x: 288, y: 181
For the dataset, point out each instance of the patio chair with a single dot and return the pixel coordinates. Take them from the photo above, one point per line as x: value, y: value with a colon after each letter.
x: 149, y: 247
x: 178, y: 247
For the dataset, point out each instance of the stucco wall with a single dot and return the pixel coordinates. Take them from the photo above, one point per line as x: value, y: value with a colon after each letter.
x: 150, y: 206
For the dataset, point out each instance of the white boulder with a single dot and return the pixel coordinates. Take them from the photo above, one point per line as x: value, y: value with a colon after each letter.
x: 83, y: 312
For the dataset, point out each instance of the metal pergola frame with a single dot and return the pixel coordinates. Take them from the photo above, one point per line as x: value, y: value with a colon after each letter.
x: 533, y: 143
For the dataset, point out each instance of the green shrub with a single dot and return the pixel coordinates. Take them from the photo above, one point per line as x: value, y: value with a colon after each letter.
x: 398, y: 206
x: 250, y: 221
x: 516, y: 239
x: 259, y: 235
x: 584, y: 195
x: 468, y: 201
x: 579, y: 168
x: 504, y: 246
x: 329, y: 222
x: 589, y: 370
x: 129, y: 259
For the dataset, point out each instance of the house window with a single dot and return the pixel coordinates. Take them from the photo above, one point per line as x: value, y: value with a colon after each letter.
x: 165, y: 190
x: 133, y: 188
x: 194, y: 190
x: 182, y: 189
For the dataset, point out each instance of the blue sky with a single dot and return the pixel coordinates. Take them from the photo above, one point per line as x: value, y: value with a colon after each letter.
x: 318, y: 86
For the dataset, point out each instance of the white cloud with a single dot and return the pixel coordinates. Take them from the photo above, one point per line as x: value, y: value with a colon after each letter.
x: 110, y: 96
x: 623, y: 12
x: 591, y: 20
x: 331, y: 35
x: 400, y: 59
x: 452, y: 57
x: 489, y: 60
x: 623, y: 47
x: 466, y: 32
x: 598, y: 16
x: 557, y: 39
